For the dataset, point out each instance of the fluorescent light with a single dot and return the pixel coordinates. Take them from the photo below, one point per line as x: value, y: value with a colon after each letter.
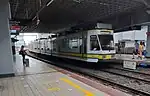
x: 38, y: 21
x: 49, y: 2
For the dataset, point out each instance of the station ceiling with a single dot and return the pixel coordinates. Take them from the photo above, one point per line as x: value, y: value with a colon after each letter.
x: 59, y: 14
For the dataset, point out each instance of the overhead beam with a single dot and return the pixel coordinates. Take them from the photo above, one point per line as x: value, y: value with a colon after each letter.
x: 146, y: 2
x: 46, y: 5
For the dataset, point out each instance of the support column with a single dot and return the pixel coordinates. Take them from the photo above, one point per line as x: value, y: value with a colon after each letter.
x: 148, y: 42
x: 6, y: 58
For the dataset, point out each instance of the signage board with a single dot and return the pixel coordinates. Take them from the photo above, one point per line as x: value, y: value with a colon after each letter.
x: 15, y: 27
x: 129, y: 64
x: 14, y: 32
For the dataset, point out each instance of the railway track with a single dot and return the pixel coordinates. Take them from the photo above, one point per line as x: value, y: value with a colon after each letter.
x: 129, y: 83
x: 128, y: 70
x: 129, y: 74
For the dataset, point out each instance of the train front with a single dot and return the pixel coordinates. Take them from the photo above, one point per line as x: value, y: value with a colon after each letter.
x: 101, y: 45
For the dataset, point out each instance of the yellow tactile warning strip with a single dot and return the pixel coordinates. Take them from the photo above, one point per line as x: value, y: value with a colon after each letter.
x: 54, y: 89
x: 87, y: 93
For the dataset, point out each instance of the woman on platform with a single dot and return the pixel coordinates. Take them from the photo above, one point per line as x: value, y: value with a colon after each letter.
x: 23, y: 53
x: 140, y: 51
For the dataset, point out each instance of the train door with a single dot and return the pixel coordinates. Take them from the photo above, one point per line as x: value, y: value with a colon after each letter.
x: 42, y: 46
x: 83, y: 44
x: 36, y: 46
x: 45, y: 45
x: 48, y: 46
x: 39, y: 46
x: 54, y: 46
x: 80, y: 45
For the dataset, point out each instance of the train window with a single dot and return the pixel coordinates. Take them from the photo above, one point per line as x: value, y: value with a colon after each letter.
x: 106, y: 42
x: 54, y: 45
x: 94, y: 45
x: 73, y: 43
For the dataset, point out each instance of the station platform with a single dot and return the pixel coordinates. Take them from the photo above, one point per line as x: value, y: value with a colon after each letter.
x: 121, y: 57
x: 41, y: 79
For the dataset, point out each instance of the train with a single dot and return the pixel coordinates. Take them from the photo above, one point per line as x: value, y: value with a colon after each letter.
x: 84, y: 44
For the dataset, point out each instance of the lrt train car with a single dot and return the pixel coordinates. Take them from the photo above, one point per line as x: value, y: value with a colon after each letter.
x: 89, y: 45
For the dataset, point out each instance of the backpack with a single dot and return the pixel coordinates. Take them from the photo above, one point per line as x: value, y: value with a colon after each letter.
x: 20, y: 52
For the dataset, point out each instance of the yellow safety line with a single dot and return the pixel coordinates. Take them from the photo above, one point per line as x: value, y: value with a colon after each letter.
x: 54, y: 89
x: 77, y: 87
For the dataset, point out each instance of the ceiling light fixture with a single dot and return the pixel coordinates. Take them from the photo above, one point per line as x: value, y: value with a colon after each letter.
x: 51, y: 1
x: 38, y: 22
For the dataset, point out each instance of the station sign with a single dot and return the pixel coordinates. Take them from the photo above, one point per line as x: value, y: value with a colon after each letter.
x: 20, y: 22
x: 14, y: 32
x: 14, y: 22
x: 15, y: 27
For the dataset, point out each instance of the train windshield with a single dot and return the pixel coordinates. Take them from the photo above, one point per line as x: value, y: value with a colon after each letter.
x: 94, y: 44
x: 106, y: 42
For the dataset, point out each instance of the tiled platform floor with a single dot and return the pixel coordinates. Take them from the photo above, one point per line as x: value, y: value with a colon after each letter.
x: 41, y: 80
x: 48, y: 84
x: 35, y: 67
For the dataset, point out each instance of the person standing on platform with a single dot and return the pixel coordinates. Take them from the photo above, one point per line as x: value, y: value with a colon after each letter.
x: 23, y: 53
x: 135, y: 50
x: 136, y: 47
x: 141, y: 47
x: 119, y: 49
x: 144, y: 50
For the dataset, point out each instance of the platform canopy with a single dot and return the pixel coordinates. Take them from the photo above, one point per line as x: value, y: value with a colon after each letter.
x: 51, y: 15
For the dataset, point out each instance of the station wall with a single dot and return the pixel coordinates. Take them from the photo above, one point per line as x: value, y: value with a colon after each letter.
x: 132, y: 35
